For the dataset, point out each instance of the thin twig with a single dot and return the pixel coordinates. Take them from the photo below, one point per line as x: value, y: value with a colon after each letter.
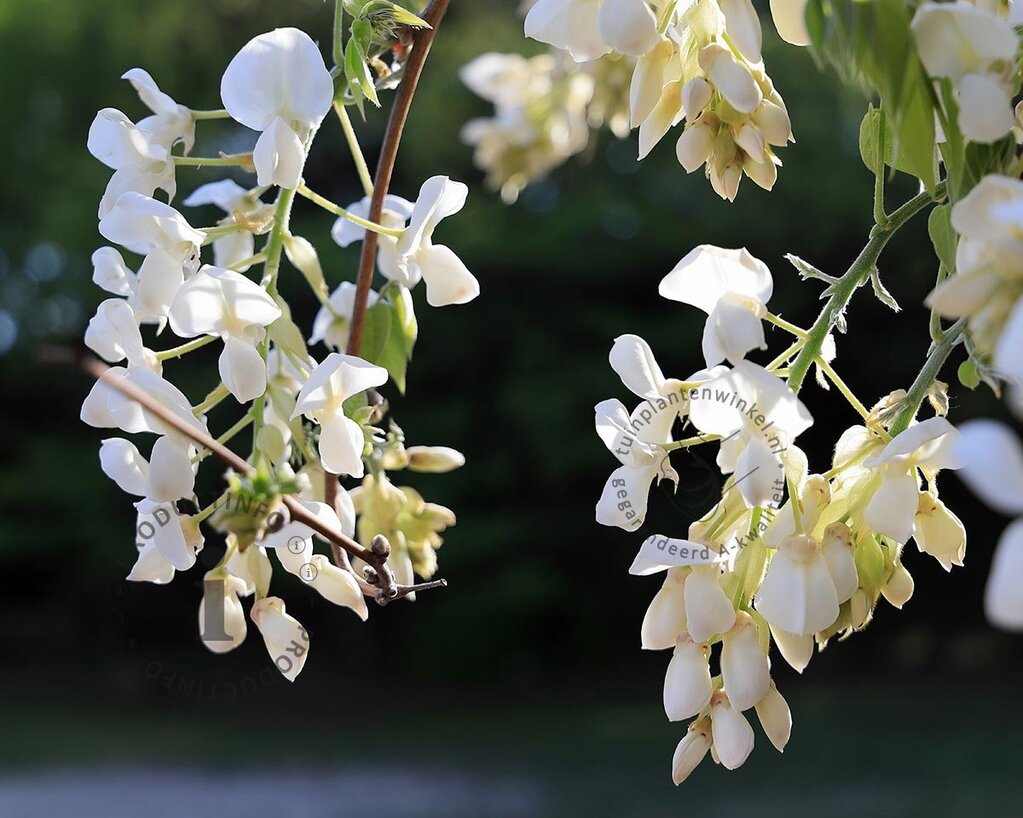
x: 375, y: 556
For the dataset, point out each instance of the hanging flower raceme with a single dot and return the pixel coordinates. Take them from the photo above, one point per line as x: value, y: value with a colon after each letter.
x: 278, y: 85
x: 311, y: 424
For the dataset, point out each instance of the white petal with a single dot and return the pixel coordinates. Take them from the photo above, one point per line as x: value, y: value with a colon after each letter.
x: 899, y: 587
x: 956, y: 38
x: 707, y: 273
x: 122, y: 463
x: 242, y: 369
x: 448, y: 281
x: 114, y: 335
x: 732, y: 734
x: 341, y: 445
x: 339, y: 377
x: 992, y: 464
x: 151, y: 566
x: 159, y: 524
x: 222, y: 630
x: 396, y: 212
x: 708, y: 610
x: 140, y: 224
x: 687, y: 682
x: 277, y: 74
x: 837, y: 549
x: 731, y: 331
x: 171, y: 476
x: 795, y: 648
x: 665, y: 618
x: 731, y: 78
x: 743, y: 26
x: 1009, y: 351
x: 338, y: 586
x: 893, y: 506
x: 744, y: 668
x: 759, y: 475
x: 226, y: 194
x: 1003, y: 597
x: 286, y: 640
x: 939, y: 532
x: 570, y: 25
x: 159, y: 279
x: 798, y: 596
x: 111, y: 273
x: 976, y: 215
x: 690, y: 752
x: 279, y: 156
x: 623, y: 502
x: 666, y: 113
x: 775, y: 718
x: 790, y: 20
x: 628, y: 26
x: 648, y: 80
x: 634, y: 363
x: 234, y: 248
x: 985, y: 108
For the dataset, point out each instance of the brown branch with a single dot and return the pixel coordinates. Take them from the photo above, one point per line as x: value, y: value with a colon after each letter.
x: 383, y: 591
x: 422, y: 40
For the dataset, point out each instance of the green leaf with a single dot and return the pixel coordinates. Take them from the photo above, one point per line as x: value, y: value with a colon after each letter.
x: 375, y: 332
x: 870, y: 133
x: 285, y: 334
x: 944, y: 238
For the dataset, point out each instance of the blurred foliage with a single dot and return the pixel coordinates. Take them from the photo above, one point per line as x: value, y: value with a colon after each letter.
x: 510, y: 379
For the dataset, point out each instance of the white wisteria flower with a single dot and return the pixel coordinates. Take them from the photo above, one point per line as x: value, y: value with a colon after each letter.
x: 636, y: 439
x: 113, y: 334
x: 992, y: 466
x: 733, y: 288
x: 448, y: 281
x: 227, y: 305
x: 278, y: 85
x: 758, y: 416
x: 139, y: 163
x: 988, y: 283
x: 332, y: 321
x: 798, y: 594
x: 687, y: 683
x: 976, y: 50
x: 227, y: 628
x: 169, y: 243
x: 571, y: 25
x: 928, y: 446
x: 170, y: 123
x: 167, y: 476
x: 286, y: 640
x: 236, y: 248
x: 338, y: 378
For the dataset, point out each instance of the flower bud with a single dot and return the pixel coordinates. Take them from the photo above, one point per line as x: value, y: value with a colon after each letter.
x: 695, y: 145
x: 725, y: 180
x: 744, y: 669
x: 773, y: 121
x: 221, y: 617
x: 749, y: 138
x: 696, y: 95
x: 337, y: 585
x: 837, y: 548
x: 775, y: 718
x: 795, y: 648
x: 435, y: 459
x: 730, y: 77
x: 687, y: 682
x: 286, y: 640
x: 731, y: 733
x: 899, y: 587
x: 691, y: 750
x: 938, y: 531
x: 764, y: 174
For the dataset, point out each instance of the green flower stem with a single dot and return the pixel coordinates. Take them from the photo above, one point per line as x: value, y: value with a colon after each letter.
x: 778, y: 321
x: 935, y: 360
x: 217, y: 113
x: 245, y: 420
x: 218, y: 232
x: 685, y: 443
x: 788, y: 353
x: 337, y: 210
x: 212, y: 399
x: 206, y: 512
x: 880, y: 217
x: 858, y: 272
x: 353, y: 145
x: 230, y: 160
x: 337, y: 49
x: 184, y: 349
x: 832, y: 375
x: 248, y: 262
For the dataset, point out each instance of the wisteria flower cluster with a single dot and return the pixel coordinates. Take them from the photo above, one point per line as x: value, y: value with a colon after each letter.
x: 794, y: 555
x: 312, y: 407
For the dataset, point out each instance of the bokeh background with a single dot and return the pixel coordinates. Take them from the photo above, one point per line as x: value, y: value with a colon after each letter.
x: 521, y: 689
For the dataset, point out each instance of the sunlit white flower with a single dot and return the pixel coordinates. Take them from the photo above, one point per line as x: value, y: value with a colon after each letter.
x: 798, y: 594
x: 227, y: 305
x: 927, y: 445
x: 687, y: 682
x: 733, y: 288
x: 448, y: 281
x: 709, y: 611
x: 110, y: 273
x: 225, y: 629
x: 286, y: 640
x: 731, y: 733
x: 167, y: 476
x: 170, y: 122
x: 691, y: 750
x: 992, y: 465
x: 174, y: 535
x: 138, y: 162
x: 234, y: 248
x: 745, y: 671
x: 106, y: 408
x: 571, y: 25
x: 114, y: 335
x: 170, y: 246
x: 628, y: 26
x: 395, y: 215
x: 333, y: 382
x: 775, y: 717
x: 758, y: 416
x: 976, y: 50
x: 331, y: 323
x: 665, y: 618
x: 938, y: 531
x: 899, y: 587
x: 279, y: 85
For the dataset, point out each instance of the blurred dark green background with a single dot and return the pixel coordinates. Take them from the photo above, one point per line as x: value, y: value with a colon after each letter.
x: 521, y: 689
